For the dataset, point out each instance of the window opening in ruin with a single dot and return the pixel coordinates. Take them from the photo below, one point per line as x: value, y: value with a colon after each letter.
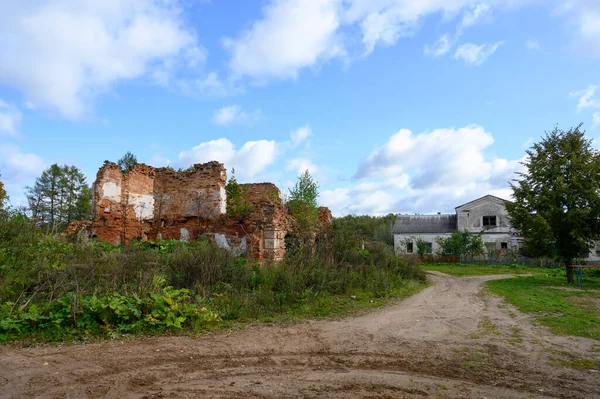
x: 503, y: 245
x: 428, y: 247
x: 292, y: 244
x: 409, y: 247
x: 489, y: 220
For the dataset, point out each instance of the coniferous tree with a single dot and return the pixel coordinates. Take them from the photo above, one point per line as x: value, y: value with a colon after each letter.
x: 238, y: 203
x: 59, y: 196
x: 127, y: 161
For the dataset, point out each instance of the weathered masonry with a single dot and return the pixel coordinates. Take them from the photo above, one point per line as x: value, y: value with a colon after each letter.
x: 144, y: 202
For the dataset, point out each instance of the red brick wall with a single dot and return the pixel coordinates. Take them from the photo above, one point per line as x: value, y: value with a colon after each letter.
x: 159, y: 203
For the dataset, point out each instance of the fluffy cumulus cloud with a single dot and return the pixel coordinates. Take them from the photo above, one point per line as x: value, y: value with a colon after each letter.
x: 292, y: 34
x: 234, y: 114
x: 474, y: 54
x: 587, y: 101
x: 295, y: 34
x: 62, y: 54
x: 252, y: 158
x: 426, y: 172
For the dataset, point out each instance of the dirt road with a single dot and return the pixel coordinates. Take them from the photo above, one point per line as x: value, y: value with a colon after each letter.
x: 448, y: 341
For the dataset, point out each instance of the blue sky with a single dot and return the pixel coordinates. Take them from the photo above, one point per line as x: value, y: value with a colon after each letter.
x: 393, y: 105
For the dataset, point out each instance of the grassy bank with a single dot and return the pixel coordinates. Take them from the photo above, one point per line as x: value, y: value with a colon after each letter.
x: 54, y: 289
x: 555, y: 304
x: 460, y: 270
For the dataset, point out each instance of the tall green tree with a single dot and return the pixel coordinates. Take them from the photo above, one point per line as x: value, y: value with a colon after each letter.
x: 556, y: 206
x: 302, y: 201
x: 306, y: 190
x: 59, y: 196
x: 127, y: 161
x: 238, y: 203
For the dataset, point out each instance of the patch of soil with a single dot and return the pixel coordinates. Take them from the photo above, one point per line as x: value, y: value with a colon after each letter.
x: 450, y: 341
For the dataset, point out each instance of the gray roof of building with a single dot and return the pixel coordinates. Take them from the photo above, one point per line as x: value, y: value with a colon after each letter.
x: 414, y: 224
x: 480, y: 198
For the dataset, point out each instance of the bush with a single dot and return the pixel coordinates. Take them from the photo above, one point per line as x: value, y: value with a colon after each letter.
x: 55, y: 289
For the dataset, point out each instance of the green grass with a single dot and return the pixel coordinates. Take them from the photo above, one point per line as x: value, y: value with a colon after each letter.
x: 575, y: 312
x: 249, y: 309
x: 460, y: 270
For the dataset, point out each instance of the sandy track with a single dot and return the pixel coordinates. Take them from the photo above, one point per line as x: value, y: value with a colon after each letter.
x: 447, y: 341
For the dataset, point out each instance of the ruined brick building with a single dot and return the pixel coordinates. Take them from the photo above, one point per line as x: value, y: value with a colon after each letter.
x: 144, y: 202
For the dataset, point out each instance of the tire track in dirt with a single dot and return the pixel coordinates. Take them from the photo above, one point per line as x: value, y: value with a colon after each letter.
x: 431, y: 344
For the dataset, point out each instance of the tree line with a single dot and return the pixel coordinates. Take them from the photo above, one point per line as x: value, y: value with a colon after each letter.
x: 555, y: 207
x: 60, y: 195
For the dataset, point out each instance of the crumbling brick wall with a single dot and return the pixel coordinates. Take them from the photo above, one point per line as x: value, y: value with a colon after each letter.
x: 158, y: 203
x: 148, y: 203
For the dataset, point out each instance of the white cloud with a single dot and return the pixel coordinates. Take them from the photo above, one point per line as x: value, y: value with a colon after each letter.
x: 427, y: 172
x: 532, y: 44
x: 434, y: 156
x: 589, y: 30
x: 386, y: 21
x: 584, y: 18
x: 248, y: 161
x: 296, y: 34
x: 476, y: 14
x: 301, y: 134
x: 63, y: 54
x: 476, y: 54
x: 292, y: 34
x: 10, y: 119
x: 587, y: 98
x: 300, y: 165
x: 441, y: 47
x: 18, y: 170
x: 235, y: 114
x: 365, y: 198
x: 210, y: 85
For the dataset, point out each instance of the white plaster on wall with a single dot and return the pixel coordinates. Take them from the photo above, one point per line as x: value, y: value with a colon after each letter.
x: 143, y: 205
x: 222, y: 200
x: 221, y: 241
x: 112, y: 191
x: 236, y: 250
x: 185, y: 235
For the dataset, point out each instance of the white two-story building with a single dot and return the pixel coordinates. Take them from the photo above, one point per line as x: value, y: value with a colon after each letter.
x: 485, y: 216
